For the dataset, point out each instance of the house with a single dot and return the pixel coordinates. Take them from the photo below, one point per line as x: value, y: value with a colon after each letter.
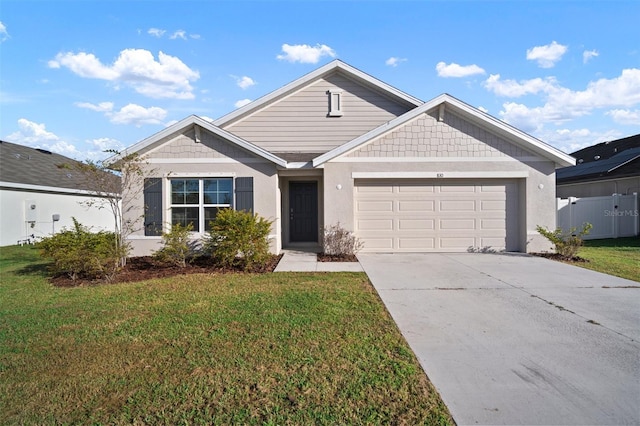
x: 603, y: 169
x: 340, y: 146
x: 40, y: 193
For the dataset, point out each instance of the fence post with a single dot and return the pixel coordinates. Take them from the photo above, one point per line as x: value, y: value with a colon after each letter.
x: 615, y: 203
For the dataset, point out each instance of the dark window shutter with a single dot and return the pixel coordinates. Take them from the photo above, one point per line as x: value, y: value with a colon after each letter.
x: 153, y: 207
x: 244, y: 193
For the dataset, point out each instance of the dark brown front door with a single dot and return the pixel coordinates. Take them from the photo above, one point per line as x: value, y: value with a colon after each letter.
x: 303, y: 211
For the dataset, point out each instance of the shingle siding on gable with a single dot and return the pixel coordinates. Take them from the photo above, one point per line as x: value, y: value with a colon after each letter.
x: 426, y: 137
x: 210, y: 146
x: 300, y: 122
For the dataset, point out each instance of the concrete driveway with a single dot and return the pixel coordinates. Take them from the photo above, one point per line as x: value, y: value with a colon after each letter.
x: 514, y: 339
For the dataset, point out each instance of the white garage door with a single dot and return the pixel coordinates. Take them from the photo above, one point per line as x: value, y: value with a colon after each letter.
x: 436, y: 215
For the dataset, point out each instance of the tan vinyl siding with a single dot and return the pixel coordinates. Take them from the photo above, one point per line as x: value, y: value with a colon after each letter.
x: 300, y: 122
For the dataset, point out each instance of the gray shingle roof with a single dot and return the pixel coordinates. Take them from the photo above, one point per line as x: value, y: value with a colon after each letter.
x: 605, y: 160
x: 32, y: 166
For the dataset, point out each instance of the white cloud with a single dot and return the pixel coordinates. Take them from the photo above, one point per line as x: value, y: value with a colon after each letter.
x: 37, y: 136
x: 305, y: 54
x: 547, y: 55
x: 562, y: 104
x: 137, y: 115
x: 156, y: 32
x: 514, y: 89
x: 101, y: 107
x: 179, y: 34
x: 168, y: 77
x: 244, y: 82
x: 242, y: 102
x: 455, y: 70
x: 625, y: 116
x: 394, y: 61
x: 4, y: 35
x: 195, y: 36
x: 207, y: 118
x: 100, y: 145
x: 587, y: 55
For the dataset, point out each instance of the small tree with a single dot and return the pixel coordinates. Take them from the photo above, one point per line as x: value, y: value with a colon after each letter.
x: 238, y: 238
x: 337, y: 241
x: 566, y: 244
x: 114, y: 184
x: 176, y: 248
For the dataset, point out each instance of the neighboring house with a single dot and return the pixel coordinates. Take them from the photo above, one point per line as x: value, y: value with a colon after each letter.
x: 339, y: 146
x: 39, y: 194
x: 603, y: 169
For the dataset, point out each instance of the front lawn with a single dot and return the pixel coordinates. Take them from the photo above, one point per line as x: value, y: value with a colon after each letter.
x: 615, y: 256
x: 285, y: 348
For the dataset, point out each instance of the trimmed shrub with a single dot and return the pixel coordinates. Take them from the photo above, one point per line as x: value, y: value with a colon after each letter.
x: 239, y: 239
x: 566, y: 244
x: 337, y: 241
x: 175, y: 246
x: 79, y: 253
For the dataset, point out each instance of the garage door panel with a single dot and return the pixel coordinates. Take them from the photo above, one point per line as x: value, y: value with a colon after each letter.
x: 470, y: 189
x: 375, y: 206
x: 457, y: 206
x: 458, y: 224
x: 435, y: 215
x: 416, y: 206
x: 457, y: 243
x: 416, y: 224
x: 414, y: 244
x: 375, y: 224
x: 493, y: 205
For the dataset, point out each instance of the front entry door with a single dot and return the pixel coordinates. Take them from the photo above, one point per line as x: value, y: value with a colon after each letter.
x: 303, y: 211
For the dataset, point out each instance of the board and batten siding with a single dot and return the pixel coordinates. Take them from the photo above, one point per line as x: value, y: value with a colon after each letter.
x: 300, y: 121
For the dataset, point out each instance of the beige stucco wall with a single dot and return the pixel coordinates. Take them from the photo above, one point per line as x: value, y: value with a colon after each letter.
x: 450, y: 148
x: 181, y: 156
x: 600, y: 188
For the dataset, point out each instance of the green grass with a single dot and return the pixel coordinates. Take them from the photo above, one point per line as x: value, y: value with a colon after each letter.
x: 616, y: 256
x: 286, y: 348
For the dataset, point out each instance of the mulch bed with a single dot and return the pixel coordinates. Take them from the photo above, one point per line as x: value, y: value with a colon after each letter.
x: 333, y: 258
x: 146, y: 267
x: 559, y: 257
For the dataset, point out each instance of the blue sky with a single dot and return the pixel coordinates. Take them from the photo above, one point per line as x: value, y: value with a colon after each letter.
x: 78, y: 77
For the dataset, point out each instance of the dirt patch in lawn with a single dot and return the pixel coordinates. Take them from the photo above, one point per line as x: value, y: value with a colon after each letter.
x: 146, y: 267
x: 561, y: 258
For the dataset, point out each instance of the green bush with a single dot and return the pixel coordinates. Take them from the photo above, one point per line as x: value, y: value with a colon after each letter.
x: 175, y: 246
x: 566, y: 244
x: 239, y: 239
x: 80, y: 253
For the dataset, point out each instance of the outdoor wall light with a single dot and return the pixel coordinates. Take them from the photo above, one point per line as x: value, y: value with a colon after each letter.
x: 338, y: 187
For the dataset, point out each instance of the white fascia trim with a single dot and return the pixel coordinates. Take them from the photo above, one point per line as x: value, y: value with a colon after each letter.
x: 547, y: 151
x: 297, y: 84
x: 42, y: 188
x: 440, y: 175
x: 206, y: 161
x: 300, y: 165
x: 195, y: 120
x: 435, y: 159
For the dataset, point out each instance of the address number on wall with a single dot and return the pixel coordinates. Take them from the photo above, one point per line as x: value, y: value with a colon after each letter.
x: 439, y: 175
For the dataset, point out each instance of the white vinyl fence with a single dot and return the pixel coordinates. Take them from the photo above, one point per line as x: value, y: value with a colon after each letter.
x: 612, y: 217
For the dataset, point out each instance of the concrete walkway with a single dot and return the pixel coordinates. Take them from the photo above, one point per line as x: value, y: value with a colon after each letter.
x: 517, y: 340
x: 303, y: 261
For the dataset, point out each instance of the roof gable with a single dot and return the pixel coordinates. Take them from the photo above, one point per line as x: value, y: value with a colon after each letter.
x: 335, y: 66
x: 155, y: 140
x: 446, y: 102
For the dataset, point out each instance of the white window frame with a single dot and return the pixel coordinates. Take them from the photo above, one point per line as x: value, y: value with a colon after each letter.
x: 201, y: 204
x: 335, y: 102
